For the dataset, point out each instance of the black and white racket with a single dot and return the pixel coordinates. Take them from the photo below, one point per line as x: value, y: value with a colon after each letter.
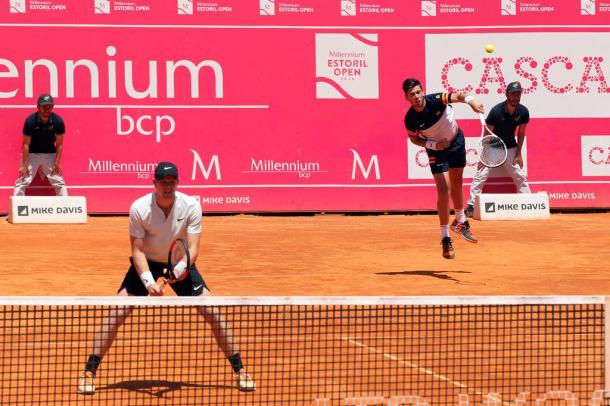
x: 178, y: 261
x: 491, y: 149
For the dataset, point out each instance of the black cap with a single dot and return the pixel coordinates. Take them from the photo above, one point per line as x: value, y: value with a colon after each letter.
x: 45, y: 99
x: 513, y: 87
x: 166, y: 169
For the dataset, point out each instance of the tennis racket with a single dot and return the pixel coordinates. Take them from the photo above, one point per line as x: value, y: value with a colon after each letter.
x: 178, y: 252
x: 491, y: 149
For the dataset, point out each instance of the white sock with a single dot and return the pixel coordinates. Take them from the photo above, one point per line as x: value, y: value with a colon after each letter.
x: 459, y: 216
x: 445, y: 231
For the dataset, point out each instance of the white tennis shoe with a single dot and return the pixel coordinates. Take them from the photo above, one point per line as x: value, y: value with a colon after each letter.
x: 86, y: 383
x: 244, y: 382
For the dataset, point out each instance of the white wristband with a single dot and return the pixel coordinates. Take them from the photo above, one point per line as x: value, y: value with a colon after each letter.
x: 147, y: 278
x: 431, y: 145
x: 468, y: 99
x: 179, y: 269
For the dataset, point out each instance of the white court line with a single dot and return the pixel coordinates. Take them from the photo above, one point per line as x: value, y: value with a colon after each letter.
x: 424, y: 370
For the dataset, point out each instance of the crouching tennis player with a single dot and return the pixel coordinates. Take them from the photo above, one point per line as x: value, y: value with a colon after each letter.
x: 155, y: 220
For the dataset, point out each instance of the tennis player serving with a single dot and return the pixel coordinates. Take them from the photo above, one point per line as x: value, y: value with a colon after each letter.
x: 155, y: 221
x: 431, y: 124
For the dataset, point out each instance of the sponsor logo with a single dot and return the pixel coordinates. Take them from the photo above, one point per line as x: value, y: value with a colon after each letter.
x: 347, y: 66
x: 437, y: 7
x: 591, y: 7
x: 43, y: 210
x: 493, y: 207
x: 185, y: 7
x: 508, y: 7
x: 217, y: 200
x: 17, y: 6
x: 104, y: 167
x: 351, y: 8
x: 348, y: 8
x: 571, y: 82
x: 359, y: 166
x: 133, y: 6
x: 197, y: 287
x: 269, y: 166
x: 199, y: 166
x: 267, y: 7
x: 102, y: 6
x: 428, y: 8
x: 587, y: 7
x: 595, y: 155
x: 514, y: 7
x: 572, y: 195
x: 23, y: 211
x: 604, y: 7
x: 120, y: 76
x: 189, y: 7
x: 144, y: 125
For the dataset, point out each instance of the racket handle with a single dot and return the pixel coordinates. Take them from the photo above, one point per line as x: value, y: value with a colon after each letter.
x: 162, y: 282
x: 482, y: 119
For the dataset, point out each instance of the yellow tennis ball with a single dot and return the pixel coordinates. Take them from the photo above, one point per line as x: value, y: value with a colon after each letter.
x: 489, y: 48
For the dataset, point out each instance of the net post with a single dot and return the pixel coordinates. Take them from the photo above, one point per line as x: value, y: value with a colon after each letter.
x: 607, y: 343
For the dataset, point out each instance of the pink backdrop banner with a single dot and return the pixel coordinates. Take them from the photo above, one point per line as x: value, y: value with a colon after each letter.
x: 385, y: 13
x: 299, y: 109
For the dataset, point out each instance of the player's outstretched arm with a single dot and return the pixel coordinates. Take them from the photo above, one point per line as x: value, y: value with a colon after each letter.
x: 461, y: 97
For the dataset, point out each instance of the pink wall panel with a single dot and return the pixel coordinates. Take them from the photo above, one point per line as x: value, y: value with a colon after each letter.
x: 298, y: 108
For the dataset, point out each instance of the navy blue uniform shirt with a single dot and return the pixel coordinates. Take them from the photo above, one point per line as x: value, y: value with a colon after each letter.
x: 505, y: 124
x: 415, y: 121
x: 43, y: 134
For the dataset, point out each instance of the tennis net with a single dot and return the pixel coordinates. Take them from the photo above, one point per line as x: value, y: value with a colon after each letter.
x: 306, y: 350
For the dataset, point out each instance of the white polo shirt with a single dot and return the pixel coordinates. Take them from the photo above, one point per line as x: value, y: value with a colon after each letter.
x: 147, y: 221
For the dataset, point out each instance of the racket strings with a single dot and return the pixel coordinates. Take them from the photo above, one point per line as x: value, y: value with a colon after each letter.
x: 178, y: 254
x: 492, y: 151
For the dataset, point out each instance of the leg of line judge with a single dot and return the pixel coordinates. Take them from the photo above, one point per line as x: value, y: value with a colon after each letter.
x: 514, y: 167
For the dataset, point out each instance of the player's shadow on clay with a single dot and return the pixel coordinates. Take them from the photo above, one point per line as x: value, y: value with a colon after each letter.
x: 157, y: 388
x: 434, y: 274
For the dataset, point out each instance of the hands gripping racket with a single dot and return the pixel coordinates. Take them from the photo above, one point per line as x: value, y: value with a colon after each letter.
x: 178, y: 261
x: 491, y: 149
